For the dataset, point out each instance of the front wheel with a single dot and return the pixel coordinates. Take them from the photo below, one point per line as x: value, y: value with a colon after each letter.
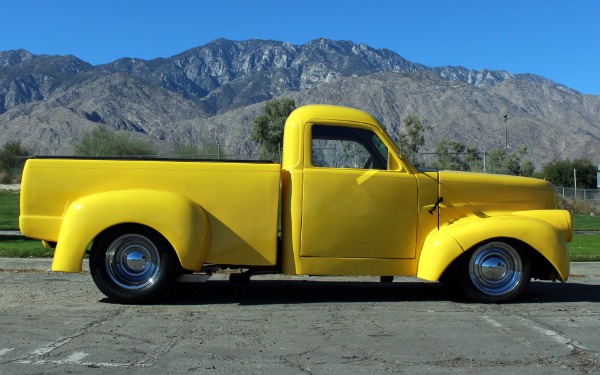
x: 494, y: 272
x: 132, y: 264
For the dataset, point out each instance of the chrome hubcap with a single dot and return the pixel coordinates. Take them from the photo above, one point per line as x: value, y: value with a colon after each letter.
x: 496, y: 268
x: 493, y: 268
x: 132, y: 261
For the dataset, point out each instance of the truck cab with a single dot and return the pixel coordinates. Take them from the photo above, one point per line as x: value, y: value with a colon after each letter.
x: 352, y: 203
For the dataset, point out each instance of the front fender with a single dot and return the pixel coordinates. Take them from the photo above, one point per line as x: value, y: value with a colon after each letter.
x: 439, y: 251
x: 182, y: 222
x: 545, y: 231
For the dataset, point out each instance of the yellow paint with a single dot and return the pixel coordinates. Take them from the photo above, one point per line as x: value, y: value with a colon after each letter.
x: 239, y: 203
x: 539, y: 234
x: 356, y: 214
x: 183, y: 223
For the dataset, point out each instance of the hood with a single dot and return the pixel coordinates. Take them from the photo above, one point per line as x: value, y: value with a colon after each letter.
x: 467, y: 193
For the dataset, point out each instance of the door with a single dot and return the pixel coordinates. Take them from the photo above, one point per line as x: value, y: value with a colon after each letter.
x: 353, y: 207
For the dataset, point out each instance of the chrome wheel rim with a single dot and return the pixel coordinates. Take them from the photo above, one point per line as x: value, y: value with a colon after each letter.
x: 132, y: 261
x: 496, y: 268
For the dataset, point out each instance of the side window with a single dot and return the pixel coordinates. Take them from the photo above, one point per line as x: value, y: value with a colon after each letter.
x: 344, y: 147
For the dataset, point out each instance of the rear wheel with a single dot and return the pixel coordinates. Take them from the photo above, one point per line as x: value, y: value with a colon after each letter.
x: 132, y: 264
x: 494, y: 272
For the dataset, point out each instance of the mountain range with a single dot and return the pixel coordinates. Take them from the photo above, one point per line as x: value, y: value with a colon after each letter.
x: 210, y: 94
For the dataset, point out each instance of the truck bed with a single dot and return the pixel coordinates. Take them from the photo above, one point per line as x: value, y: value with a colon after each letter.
x: 240, y: 199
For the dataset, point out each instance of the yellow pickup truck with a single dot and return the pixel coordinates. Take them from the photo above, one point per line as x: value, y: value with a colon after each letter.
x: 344, y: 201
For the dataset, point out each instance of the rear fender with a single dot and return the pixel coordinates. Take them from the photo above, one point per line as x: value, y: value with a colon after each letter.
x: 182, y: 222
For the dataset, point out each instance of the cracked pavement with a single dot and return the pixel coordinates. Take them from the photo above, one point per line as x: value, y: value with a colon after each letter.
x: 55, y: 323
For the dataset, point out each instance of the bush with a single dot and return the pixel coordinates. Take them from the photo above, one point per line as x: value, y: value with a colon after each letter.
x: 560, y: 173
x: 12, y: 159
x: 579, y: 206
x: 103, y: 142
x: 268, y: 127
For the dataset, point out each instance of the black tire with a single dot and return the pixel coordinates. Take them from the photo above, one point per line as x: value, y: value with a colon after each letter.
x: 493, y: 272
x: 132, y: 264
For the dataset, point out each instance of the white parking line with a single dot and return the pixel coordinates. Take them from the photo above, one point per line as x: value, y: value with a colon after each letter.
x: 51, y: 346
x: 69, y: 361
x: 493, y: 322
x: 556, y: 336
x: 76, y: 357
x: 5, y: 350
x: 507, y: 331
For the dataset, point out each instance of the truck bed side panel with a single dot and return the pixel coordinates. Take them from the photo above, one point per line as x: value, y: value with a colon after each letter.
x: 240, y: 199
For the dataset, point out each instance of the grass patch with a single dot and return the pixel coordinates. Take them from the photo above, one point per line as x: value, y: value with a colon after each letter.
x: 586, y: 222
x: 21, y: 247
x: 585, y: 248
x: 9, y: 210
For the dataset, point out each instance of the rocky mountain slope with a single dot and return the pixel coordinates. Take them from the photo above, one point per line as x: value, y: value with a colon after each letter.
x: 210, y: 94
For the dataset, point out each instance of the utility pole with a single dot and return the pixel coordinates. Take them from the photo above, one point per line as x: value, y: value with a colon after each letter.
x: 506, y: 134
x: 575, y: 181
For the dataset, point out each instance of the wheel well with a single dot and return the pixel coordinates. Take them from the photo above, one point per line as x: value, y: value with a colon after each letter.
x: 133, y: 228
x: 541, y: 268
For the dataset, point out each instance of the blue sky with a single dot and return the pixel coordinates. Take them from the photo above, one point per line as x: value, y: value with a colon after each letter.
x: 559, y: 40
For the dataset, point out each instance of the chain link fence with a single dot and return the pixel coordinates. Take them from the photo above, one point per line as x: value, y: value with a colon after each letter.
x: 591, y: 195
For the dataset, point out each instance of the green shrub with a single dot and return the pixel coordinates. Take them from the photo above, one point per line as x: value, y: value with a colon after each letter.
x: 12, y: 160
x: 579, y: 206
x: 103, y: 142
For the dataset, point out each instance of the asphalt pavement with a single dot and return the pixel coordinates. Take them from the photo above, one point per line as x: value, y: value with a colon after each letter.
x: 53, y: 323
